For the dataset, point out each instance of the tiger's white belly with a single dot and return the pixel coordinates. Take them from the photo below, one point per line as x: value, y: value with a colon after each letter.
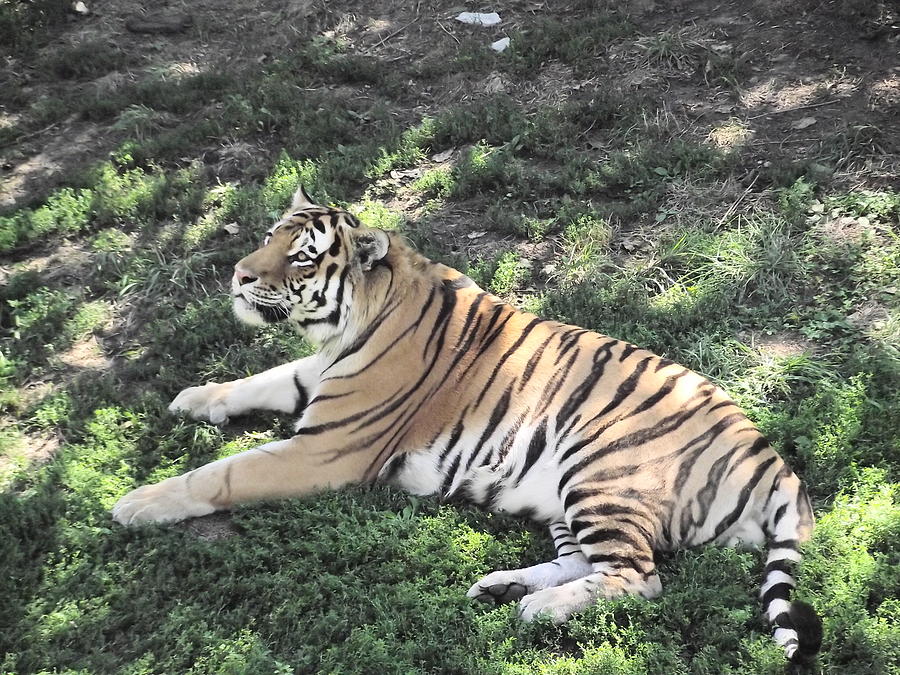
x: 535, y: 495
x: 420, y: 475
x: 499, y: 485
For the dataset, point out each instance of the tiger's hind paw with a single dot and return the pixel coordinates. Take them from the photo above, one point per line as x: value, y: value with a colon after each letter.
x: 499, y: 587
x: 558, y: 603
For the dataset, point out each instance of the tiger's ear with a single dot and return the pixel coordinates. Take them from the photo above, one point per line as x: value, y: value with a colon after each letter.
x: 371, y: 245
x: 301, y: 200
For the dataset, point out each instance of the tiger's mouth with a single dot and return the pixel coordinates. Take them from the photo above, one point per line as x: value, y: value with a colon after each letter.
x: 254, y: 313
x: 273, y: 313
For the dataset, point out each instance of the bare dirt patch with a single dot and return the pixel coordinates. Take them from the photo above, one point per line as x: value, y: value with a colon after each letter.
x: 779, y: 345
x: 65, y: 262
x: 870, y: 316
x: 27, y: 452
x: 63, y: 145
x: 86, y: 354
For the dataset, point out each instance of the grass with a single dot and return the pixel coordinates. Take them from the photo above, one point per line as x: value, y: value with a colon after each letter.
x: 794, y: 310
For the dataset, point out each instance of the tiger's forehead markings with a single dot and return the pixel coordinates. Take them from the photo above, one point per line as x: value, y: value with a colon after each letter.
x: 310, y: 238
x: 313, y: 231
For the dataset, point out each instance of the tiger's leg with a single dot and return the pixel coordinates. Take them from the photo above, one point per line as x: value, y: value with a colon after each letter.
x: 620, y: 553
x: 298, y: 466
x: 510, y: 585
x: 284, y: 388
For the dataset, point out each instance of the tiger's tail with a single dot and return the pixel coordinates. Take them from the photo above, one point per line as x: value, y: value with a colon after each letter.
x: 795, y: 625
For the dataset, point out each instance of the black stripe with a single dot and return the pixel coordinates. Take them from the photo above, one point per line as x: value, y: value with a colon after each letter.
x: 783, y: 565
x: 535, y: 448
x: 393, y: 466
x: 610, y: 534
x: 626, y: 388
x: 391, y: 404
x: 365, y: 336
x: 709, y: 436
x: 758, y: 446
x: 488, y: 338
x: 661, y: 393
x: 533, y: 361
x: 785, y: 543
x: 462, y: 350
x: 462, y: 281
x: 455, y: 435
x: 706, y: 496
x: 556, y: 382
x: 721, y: 404
x: 508, y: 440
x: 491, y: 494
x: 614, y: 474
x: 328, y: 397
x: 649, y: 402
x: 744, y: 497
x: 606, y: 509
x: 783, y: 620
x: 375, y: 409
x: 576, y: 495
x: 471, y: 316
x: 495, y: 314
x: 600, y: 358
x: 617, y: 561
x: 779, y: 514
x: 497, y: 414
x: 335, y: 247
x: 780, y: 591
x: 302, y: 397
x: 526, y: 331
x: 335, y: 315
x: 566, y: 341
x: 628, y: 350
x: 448, y: 302
x: 451, y: 474
x: 576, y: 525
x: 663, y: 363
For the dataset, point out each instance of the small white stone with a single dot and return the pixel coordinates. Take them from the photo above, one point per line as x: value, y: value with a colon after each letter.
x: 500, y: 44
x: 479, y: 18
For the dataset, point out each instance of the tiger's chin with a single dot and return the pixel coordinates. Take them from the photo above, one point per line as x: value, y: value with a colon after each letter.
x: 247, y: 313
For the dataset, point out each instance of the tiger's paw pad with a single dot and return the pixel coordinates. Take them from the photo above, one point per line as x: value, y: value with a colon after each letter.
x: 163, y: 502
x: 498, y: 588
x: 206, y: 402
x: 558, y: 603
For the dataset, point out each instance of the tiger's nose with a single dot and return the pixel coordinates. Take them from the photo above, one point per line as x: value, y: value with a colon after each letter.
x: 243, y: 276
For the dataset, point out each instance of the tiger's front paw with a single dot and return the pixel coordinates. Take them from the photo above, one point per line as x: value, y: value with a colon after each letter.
x: 207, y: 402
x: 164, y: 502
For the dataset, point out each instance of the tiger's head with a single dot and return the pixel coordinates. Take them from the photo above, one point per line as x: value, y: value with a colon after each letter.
x: 307, y: 269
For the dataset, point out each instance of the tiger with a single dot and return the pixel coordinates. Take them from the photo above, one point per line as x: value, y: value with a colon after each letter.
x: 423, y: 380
